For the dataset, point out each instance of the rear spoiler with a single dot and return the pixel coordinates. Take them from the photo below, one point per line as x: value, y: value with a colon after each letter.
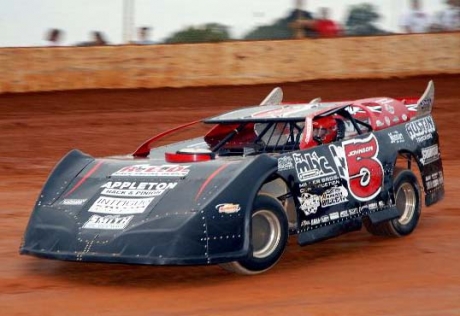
x: 425, y: 103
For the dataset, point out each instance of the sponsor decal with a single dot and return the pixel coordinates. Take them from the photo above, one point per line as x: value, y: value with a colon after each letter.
x: 434, y: 180
x: 107, y: 222
x: 136, y: 189
x: 353, y: 211
x: 325, y: 182
x: 430, y: 154
x: 396, y: 137
x: 357, y: 163
x: 425, y: 104
x: 110, y: 205
x: 315, y: 221
x: 285, y: 163
x: 387, y: 121
x: 313, y: 204
x: 372, y: 206
x: 146, y: 170
x: 309, y: 203
x: 334, y: 216
x: 73, y: 201
x: 421, y: 129
x: 228, y: 208
x: 333, y: 196
x: 310, y: 166
x: 389, y: 108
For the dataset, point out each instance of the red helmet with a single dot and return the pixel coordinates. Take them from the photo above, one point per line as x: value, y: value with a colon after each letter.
x: 325, y: 129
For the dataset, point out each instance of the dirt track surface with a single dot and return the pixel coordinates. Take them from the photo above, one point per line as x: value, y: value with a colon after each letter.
x: 356, y: 274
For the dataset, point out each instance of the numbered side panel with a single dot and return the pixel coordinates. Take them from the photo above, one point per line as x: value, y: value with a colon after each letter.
x: 335, y: 185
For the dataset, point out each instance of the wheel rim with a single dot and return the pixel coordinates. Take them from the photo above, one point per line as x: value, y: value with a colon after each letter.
x: 406, y: 200
x: 266, y: 233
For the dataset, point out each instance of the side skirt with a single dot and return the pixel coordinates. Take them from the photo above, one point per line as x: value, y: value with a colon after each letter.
x: 326, y: 232
x: 384, y: 215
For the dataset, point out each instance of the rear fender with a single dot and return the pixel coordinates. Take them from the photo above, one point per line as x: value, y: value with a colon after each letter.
x: 431, y: 175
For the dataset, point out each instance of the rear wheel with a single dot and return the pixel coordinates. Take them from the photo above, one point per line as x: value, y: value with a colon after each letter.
x: 407, y: 200
x: 269, y: 235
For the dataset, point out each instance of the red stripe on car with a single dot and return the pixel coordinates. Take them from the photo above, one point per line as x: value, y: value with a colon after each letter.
x: 86, y: 176
x: 212, y: 176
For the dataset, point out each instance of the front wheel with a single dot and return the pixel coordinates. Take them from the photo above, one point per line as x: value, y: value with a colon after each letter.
x: 407, y: 199
x: 269, y: 236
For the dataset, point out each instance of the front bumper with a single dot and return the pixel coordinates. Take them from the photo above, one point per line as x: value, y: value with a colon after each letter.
x: 175, y: 239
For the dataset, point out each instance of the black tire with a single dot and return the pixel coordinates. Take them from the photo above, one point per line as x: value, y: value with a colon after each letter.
x: 269, y: 236
x: 408, y: 200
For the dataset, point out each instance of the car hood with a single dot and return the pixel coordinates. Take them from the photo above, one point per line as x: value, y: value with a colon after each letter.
x: 105, y: 207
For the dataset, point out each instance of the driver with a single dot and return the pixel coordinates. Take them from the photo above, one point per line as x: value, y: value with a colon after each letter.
x: 325, y: 130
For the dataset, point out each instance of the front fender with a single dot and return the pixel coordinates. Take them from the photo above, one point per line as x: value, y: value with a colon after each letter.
x: 62, y: 175
x: 227, y: 208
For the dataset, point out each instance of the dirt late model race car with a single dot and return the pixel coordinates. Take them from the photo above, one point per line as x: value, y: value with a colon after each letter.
x: 233, y: 196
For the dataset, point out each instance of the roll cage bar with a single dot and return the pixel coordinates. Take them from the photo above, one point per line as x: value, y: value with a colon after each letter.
x: 266, y: 140
x: 356, y: 122
x: 273, y: 142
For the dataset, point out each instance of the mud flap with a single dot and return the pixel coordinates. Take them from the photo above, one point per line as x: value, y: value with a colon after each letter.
x: 434, y: 197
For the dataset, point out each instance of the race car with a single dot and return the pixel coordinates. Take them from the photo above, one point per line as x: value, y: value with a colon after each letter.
x: 313, y: 170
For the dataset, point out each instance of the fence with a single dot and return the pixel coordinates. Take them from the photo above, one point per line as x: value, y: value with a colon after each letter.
x: 228, y: 63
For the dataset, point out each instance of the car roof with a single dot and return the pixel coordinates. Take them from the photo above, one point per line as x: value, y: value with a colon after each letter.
x: 276, y: 113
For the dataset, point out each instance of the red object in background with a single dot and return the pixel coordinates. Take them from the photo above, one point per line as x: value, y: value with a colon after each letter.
x: 327, y: 28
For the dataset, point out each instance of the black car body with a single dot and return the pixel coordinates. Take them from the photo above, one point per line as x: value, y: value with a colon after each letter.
x: 233, y: 196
